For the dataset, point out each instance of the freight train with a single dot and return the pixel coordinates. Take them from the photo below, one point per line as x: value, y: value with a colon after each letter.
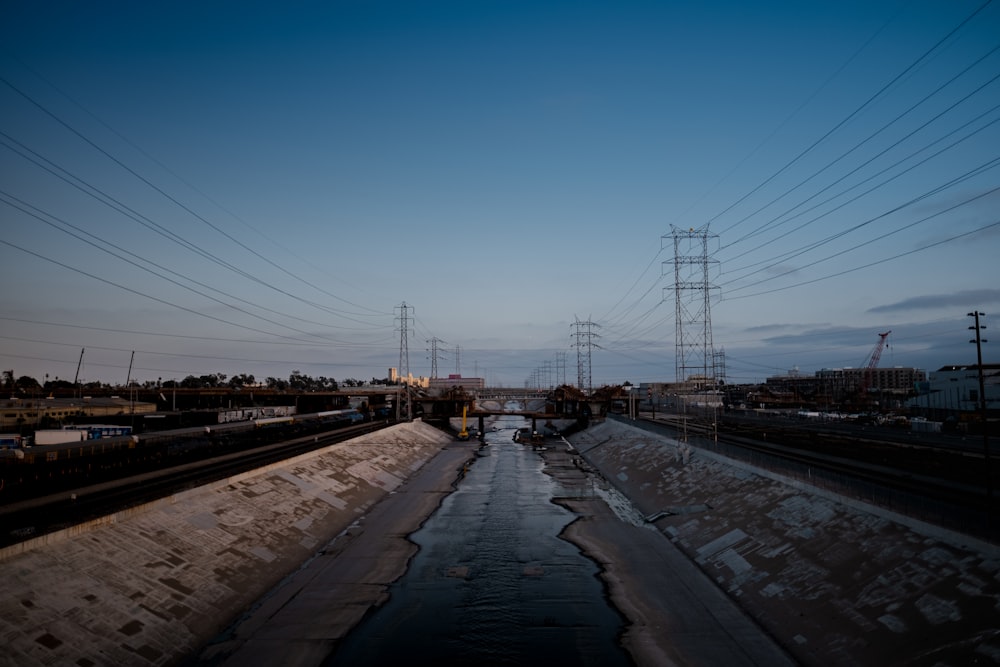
x: 95, y: 459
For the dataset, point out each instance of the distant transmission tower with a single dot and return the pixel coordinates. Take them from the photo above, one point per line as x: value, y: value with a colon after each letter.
x: 584, y: 342
x: 434, y: 355
x: 694, y: 354
x: 404, y: 349
x: 719, y: 364
x: 560, y: 368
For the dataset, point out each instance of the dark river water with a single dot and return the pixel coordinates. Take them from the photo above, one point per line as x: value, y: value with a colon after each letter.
x: 493, y: 584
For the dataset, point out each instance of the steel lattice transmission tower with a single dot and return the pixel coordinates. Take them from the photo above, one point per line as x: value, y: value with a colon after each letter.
x: 560, y: 368
x: 584, y: 341
x: 694, y: 353
x: 404, y: 349
x: 434, y: 355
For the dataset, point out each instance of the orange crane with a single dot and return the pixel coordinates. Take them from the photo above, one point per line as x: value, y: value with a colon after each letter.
x: 872, y: 363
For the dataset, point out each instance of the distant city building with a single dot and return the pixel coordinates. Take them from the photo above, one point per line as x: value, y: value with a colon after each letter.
x: 396, y: 378
x: 468, y: 384
x: 896, y: 380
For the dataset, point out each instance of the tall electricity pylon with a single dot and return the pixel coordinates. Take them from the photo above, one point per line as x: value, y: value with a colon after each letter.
x: 560, y: 368
x: 694, y: 355
x: 404, y: 350
x: 434, y: 355
x: 584, y: 342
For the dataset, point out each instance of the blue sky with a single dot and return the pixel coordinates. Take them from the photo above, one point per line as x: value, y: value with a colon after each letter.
x: 237, y: 187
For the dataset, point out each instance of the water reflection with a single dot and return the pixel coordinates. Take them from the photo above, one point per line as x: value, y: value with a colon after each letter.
x: 492, y: 583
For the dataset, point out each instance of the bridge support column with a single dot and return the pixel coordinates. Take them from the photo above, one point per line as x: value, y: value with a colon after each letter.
x: 534, y: 425
x: 482, y: 425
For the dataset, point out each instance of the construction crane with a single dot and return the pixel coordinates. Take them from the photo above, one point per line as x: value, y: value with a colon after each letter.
x: 872, y: 363
x: 76, y: 378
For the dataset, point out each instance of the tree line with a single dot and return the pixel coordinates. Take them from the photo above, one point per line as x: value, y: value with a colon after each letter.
x: 296, y: 382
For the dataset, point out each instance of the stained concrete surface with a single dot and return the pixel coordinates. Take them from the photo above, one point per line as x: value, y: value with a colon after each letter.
x: 836, y: 581
x: 675, y: 614
x: 152, y: 586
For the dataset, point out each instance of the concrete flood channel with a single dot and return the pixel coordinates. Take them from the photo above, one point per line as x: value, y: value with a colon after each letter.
x: 493, y: 582
x: 306, y: 548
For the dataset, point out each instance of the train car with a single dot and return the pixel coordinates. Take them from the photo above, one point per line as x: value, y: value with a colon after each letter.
x: 271, y: 421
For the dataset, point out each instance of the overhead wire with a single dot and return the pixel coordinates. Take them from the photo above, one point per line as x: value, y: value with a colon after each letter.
x: 114, y: 204
x: 861, y: 143
x: 802, y: 105
x: 849, y: 117
x: 928, y: 246
x: 869, y: 190
x: 139, y: 332
x: 853, y: 114
x: 995, y: 162
x: 187, y: 183
x: 140, y: 293
x: 79, y: 234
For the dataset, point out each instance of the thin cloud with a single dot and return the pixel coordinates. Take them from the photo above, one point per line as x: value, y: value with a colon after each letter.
x: 970, y: 298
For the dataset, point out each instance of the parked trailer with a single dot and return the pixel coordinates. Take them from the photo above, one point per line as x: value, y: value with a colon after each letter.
x: 59, y: 436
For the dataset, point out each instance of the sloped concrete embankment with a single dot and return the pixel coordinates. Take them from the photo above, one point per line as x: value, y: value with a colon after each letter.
x: 152, y: 586
x: 834, y: 580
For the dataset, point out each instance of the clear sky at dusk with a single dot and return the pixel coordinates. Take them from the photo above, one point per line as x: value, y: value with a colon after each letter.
x: 240, y: 187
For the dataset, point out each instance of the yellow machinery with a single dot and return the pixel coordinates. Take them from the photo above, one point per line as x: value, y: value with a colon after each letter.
x: 464, y: 433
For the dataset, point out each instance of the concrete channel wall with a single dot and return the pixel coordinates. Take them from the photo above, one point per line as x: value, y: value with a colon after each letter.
x: 835, y: 581
x: 154, y: 584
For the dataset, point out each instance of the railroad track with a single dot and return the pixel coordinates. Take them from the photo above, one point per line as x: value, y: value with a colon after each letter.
x: 39, y: 516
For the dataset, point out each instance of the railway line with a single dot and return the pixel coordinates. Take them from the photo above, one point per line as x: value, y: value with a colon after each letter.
x: 40, y: 515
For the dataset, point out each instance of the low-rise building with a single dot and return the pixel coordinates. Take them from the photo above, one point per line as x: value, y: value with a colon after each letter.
x: 953, y: 391
x: 18, y: 413
x: 437, y: 385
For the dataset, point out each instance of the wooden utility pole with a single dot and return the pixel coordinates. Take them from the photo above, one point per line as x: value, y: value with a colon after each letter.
x: 979, y: 340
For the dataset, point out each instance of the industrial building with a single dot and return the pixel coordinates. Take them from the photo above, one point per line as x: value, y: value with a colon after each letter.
x: 16, y: 413
x: 953, y: 392
x: 437, y: 385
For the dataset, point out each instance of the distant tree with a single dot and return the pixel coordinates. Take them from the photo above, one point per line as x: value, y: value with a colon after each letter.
x: 27, y: 384
x: 276, y: 384
x: 213, y: 380
x: 191, y: 382
x: 8, y: 379
x: 241, y: 380
x: 297, y: 381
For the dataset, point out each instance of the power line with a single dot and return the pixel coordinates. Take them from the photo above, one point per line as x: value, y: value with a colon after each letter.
x: 848, y: 118
x: 938, y: 116
x: 991, y: 164
x: 38, y: 215
x: 871, y: 264
x: 114, y: 204
x: 142, y: 294
x: 241, y: 341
